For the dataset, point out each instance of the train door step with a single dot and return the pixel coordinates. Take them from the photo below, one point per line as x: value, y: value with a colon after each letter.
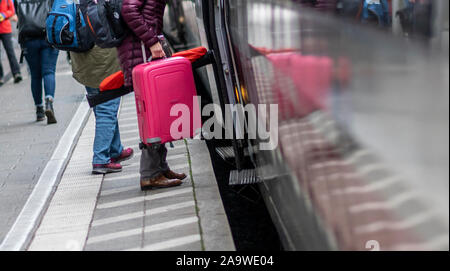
x: 244, y: 177
x: 227, y: 153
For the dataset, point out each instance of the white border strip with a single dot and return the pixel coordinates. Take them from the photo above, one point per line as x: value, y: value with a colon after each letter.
x: 26, y: 223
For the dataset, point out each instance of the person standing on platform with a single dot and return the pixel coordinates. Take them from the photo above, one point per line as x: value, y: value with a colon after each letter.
x: 145, y: 19
x: 90, y: 69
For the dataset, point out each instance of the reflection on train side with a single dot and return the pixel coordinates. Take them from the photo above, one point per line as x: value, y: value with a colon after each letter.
x: 411, y: 18
x: 363, y: 128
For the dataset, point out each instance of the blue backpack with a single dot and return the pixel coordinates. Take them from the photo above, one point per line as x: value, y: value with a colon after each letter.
x: 66, y: 28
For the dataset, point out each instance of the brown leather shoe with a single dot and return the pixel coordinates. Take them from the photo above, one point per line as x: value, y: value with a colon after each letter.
x: 172, y: 175
x: 159, y: 182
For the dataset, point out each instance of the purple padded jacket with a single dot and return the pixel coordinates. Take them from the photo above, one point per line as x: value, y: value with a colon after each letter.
x: 145, y: 19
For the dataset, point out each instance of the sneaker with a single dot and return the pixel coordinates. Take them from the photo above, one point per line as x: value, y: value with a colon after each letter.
x: 40, y: 115
x: 105, y: 169
x: 49, y: 112
x: 17, y: 78
x: 126, y: 155
x: 2, y: 82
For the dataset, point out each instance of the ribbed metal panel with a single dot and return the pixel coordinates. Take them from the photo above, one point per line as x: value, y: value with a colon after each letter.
x: 244, y: 177
x: 226, y: 153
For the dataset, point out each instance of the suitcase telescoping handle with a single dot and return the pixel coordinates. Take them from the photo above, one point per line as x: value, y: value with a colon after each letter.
x: 144, y: 54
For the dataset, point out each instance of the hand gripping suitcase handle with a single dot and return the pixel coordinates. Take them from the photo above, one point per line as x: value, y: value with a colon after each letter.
x: 144, y: 54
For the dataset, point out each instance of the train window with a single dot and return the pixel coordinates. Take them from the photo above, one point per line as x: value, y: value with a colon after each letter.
x: 180, y: 25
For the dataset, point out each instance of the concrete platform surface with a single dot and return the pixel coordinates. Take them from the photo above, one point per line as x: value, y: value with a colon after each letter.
x: 111, y: 213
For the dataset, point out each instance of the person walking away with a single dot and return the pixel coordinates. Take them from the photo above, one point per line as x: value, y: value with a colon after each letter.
x: 90, y: 69
x: 40, y: 56
x: 6, y: 13
x: 145, y: 19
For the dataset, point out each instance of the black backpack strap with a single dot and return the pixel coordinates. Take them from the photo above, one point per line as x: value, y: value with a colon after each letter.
x: 22, y: 54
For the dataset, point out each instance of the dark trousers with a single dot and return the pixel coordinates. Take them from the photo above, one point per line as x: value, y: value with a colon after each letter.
x: 154, y: 161
x: 9, y: 48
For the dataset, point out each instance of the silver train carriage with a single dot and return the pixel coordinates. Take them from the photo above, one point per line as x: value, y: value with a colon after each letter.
x: 358, y: 158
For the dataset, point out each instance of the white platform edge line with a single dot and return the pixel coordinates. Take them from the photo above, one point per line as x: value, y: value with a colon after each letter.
x: 20, y: 234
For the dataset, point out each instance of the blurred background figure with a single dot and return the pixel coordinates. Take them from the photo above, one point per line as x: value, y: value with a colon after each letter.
x: 416, y: 18
x: 6, y: 14
x: 40, y: 56
x: 412, y: 18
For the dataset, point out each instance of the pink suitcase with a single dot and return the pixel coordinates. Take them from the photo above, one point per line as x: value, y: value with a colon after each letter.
x: 159, y: 86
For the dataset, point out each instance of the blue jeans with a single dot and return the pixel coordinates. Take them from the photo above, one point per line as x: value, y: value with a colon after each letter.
x: 381, y: 11
x: 42, y: 60
x: 107, y: 142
